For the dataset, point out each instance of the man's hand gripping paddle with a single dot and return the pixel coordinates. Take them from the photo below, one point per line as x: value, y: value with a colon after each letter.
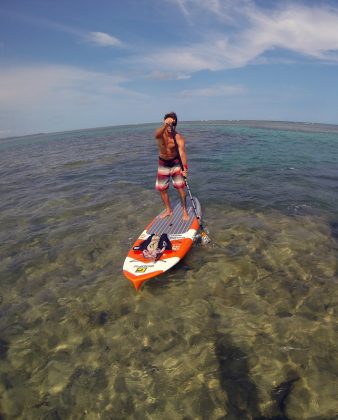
x: 204, y: 236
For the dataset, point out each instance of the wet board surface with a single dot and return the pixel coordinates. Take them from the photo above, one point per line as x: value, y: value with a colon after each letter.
x: 162, y: 244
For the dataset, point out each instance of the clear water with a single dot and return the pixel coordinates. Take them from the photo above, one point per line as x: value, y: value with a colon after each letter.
x: 243, y: 329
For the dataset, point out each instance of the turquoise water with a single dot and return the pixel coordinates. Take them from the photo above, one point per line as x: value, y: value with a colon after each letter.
x: 243, y: 329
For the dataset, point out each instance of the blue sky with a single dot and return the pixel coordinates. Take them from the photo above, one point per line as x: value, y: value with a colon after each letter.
x: 70, y: 64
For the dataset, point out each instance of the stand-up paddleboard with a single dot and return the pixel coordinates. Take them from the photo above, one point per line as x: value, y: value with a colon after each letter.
x: 162, y: 244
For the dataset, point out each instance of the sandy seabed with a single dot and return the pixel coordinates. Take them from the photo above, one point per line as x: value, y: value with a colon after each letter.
x: 243, y: 329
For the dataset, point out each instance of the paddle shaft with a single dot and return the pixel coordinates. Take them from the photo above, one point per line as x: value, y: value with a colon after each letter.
x: 185, y: 178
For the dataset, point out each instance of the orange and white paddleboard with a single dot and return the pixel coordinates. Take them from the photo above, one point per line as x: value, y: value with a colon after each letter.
x: 163, y: 243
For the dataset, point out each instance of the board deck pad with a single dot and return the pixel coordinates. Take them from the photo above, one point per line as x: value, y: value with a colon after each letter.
x: 163, y: 243
x: 174, y: 224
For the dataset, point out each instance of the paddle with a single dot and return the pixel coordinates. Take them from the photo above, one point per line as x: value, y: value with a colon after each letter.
x: 204, y: 236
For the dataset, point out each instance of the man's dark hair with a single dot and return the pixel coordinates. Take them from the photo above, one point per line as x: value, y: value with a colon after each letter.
x: 172, y: 115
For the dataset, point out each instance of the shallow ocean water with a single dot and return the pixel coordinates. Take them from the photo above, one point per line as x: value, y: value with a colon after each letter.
x: 243, y: 329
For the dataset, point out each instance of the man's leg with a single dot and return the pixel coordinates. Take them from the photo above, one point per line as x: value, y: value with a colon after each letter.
x: 179, y: 184
x: 165, y: 198
x: 183, y: 195
x: 162, y: 185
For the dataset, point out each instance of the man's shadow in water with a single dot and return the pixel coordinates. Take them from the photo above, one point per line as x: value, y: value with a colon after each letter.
x: 241, y: 391
x: 235, y: 381
x: 334, y: 233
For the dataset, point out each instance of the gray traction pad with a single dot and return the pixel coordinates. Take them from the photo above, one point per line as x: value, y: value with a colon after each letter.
x: 175, y: 224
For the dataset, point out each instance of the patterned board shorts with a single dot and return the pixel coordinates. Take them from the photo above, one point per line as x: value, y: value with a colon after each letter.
x: 166, y: 169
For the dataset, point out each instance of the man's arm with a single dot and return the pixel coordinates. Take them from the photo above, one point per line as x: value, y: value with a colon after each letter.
x: 160, y: 131
x: 181, y: 149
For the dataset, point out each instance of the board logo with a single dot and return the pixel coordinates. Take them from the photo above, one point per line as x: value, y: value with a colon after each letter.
x: 141, y: 269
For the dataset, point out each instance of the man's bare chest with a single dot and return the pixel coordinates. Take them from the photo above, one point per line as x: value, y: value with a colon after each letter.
x: 167, y: 143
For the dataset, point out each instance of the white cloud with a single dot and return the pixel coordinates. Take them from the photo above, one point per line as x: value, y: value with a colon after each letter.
x: 218, y: 90
x: 33, y: 86
x: 52, y: 98
x: 231, y: 12
x: 168, y: 75
x: 104, y: 40
x: 180, y: 59
x: 181, y: 5
x: 244, y: 32
x: 97, y: 38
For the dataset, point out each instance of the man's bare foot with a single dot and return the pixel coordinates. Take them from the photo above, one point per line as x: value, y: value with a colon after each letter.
x: 185, y: 216
x: 166, y: 213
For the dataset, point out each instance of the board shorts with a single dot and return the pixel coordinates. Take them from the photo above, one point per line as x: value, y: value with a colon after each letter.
x: 166, y: 169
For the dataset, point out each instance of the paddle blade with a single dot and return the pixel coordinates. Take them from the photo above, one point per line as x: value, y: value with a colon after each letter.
x: 205, y: 238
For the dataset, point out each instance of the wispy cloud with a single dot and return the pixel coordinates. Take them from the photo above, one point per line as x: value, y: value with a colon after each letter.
x: 35, y: 86
x: 168, y: 75
x: 243, y: 32
x: 50, y: 98
x: 182, y: 5
x: 94, y: 38
x: 104, y: 40
x: 226, y: 11
x: 217, y: 90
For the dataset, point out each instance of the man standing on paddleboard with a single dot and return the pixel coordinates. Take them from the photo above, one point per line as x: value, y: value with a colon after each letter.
x: 169, y: 164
